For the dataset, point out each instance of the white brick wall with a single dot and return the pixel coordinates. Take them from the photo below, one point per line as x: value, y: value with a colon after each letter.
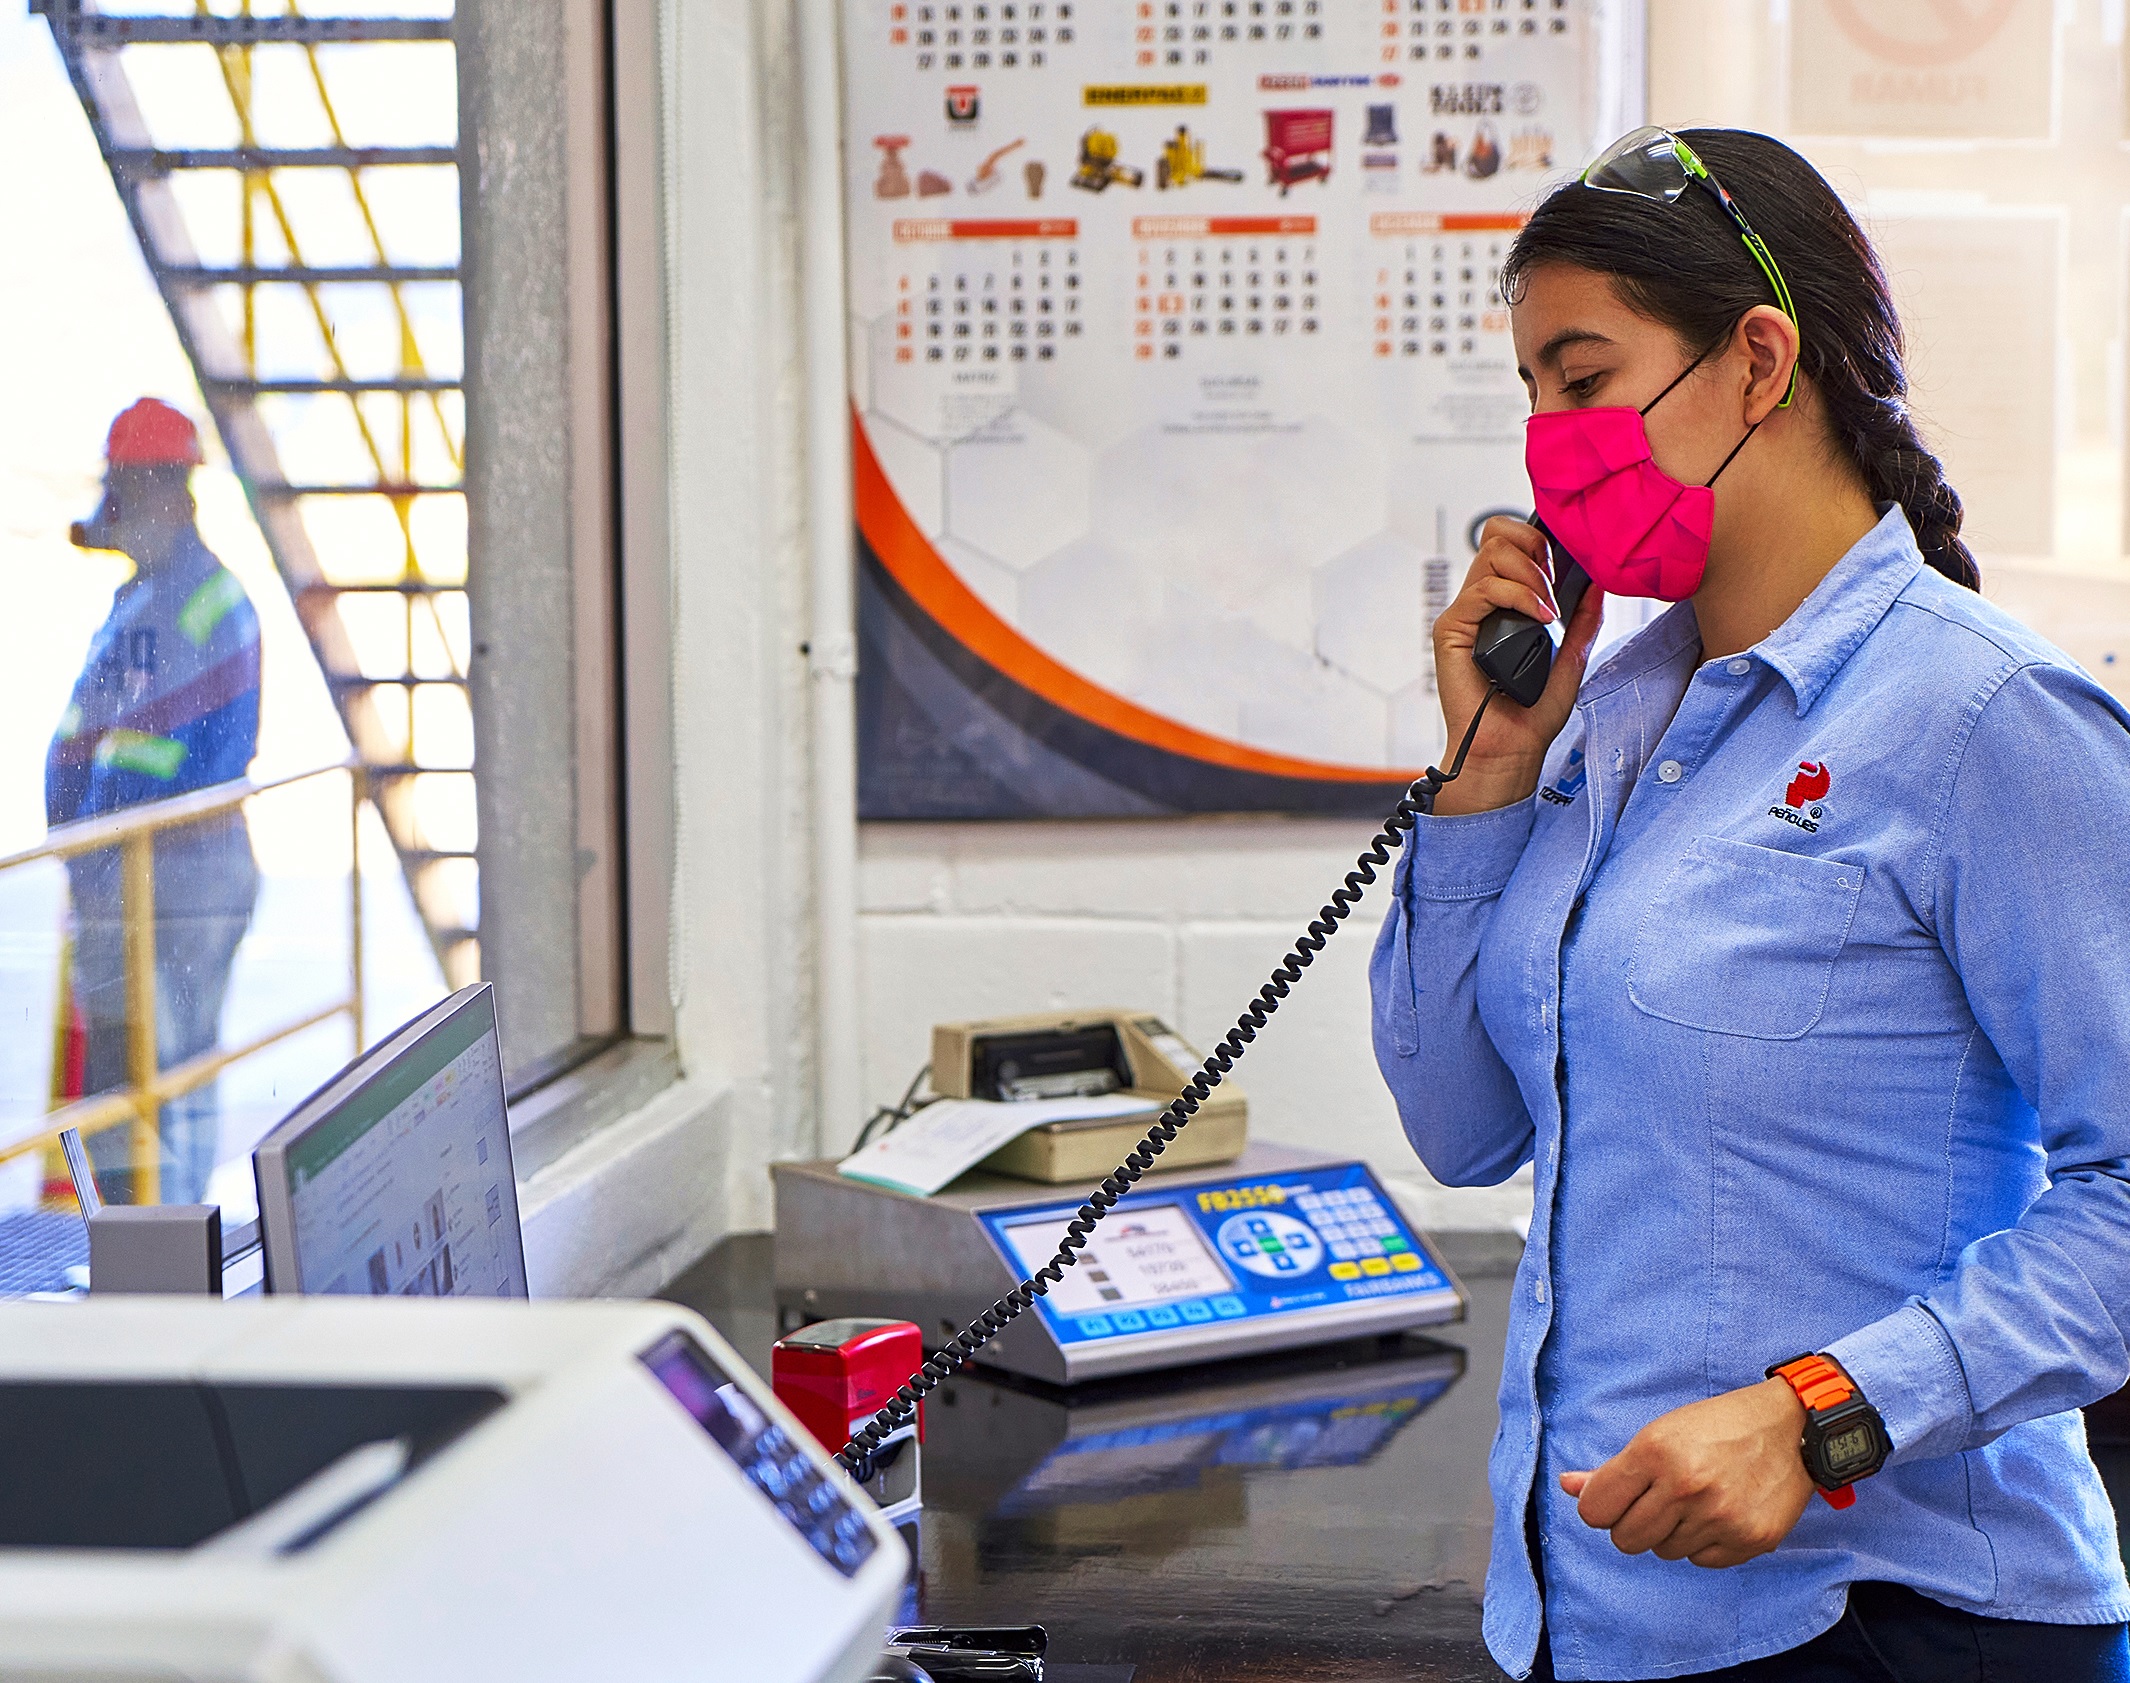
x: 1182, y: 918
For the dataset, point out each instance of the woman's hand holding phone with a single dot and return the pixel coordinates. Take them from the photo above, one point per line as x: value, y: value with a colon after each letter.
x: 1508, y: 572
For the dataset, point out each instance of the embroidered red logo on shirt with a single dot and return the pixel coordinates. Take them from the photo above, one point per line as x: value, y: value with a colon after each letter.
x: 1800, y: 801
x: 1810, y: 784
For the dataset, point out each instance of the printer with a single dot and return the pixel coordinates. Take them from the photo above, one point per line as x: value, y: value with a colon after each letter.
x: 1083, y: 1054
x: 356, y: 1490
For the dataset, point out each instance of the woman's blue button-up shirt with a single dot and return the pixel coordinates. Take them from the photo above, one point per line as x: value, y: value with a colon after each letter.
x: 1804, y: 982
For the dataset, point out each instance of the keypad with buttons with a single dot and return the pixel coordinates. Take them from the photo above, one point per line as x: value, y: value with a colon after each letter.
x: 1300, y: 1241
x: 787, y: 1472
x: 1353, y: 1223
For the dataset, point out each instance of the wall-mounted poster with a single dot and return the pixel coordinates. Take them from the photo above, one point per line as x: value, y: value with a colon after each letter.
x: 1927, y: 69
x: 1180, y: 379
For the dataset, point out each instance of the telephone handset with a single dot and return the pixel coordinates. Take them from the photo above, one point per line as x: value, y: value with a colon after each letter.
x: 1516, y: 654
x: 1513, y: 649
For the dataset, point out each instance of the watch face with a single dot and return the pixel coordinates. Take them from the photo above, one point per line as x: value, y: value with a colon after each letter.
x: 1850, y: 1450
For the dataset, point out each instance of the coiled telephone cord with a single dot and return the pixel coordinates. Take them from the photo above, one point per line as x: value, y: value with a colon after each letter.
x: 856, y: 1456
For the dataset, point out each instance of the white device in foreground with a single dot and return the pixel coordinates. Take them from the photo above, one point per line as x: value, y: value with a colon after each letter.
x: 338, y: 1489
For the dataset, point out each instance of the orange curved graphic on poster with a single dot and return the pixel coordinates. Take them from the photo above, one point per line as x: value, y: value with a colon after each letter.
x: 909, y: 556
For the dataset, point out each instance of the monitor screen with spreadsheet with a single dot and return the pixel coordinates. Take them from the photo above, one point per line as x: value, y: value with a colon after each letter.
x: 394, y: 1179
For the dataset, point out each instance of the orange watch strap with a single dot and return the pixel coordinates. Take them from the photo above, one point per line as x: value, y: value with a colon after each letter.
x: 1820, y: 1384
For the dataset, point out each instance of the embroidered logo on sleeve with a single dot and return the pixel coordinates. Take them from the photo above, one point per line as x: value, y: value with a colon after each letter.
x: 1800, y: 801
x: 1570, y: 784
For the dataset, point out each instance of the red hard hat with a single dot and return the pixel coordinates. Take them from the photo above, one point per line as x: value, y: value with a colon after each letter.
x: 152, y: 434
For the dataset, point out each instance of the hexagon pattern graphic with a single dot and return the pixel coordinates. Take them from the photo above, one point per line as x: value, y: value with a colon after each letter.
x: 1274, y: 522
x: 1095, y: 606
x: 1016, y: 489
x: 1370, y: 613
x: 1299, y: 625
x: 918, y: 472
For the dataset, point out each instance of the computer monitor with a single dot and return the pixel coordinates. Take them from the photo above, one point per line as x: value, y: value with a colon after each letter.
x: 394, y: 1178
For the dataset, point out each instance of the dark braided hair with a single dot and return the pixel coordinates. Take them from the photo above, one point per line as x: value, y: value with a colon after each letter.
x: 1685, y: 266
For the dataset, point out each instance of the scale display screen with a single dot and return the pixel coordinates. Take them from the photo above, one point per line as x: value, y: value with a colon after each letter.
x: 1137, y: 1256
x: 1257, y: 1246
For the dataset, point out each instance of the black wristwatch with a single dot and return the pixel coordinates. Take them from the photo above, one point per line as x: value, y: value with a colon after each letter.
x: 1844, y: 1440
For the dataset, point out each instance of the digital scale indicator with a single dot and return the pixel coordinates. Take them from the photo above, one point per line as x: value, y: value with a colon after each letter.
x: 1148, y: 1257
x: 1166, y: 1261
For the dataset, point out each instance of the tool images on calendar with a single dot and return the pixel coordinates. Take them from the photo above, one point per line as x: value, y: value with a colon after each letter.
x: 1099, y: 165
x: 1483, y: 157
x: 894, y: 178
x: 893, y: 181
x: 1531, y: 147
x: 1379, y: 162
x: 1183, y: 161
x: 988, y: 174
x: 1297, y: 147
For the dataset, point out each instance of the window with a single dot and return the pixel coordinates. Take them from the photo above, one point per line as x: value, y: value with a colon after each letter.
x: 252, y: 382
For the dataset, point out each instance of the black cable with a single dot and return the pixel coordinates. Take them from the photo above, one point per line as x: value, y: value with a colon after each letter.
x: 856, y: 1455
x: 911, y: 1104
x: 896, y: 1114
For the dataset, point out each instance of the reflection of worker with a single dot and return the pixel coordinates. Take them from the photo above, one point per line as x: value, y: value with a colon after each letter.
x: 167, y: 701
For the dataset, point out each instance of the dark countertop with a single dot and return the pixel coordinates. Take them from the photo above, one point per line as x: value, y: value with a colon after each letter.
x: 1322, y: 1514
x: 1315, y: 1515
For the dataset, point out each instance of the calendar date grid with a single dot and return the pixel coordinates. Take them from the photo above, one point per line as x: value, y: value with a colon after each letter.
x: 1223, y: 278
x: 982, y: 34
x: 1016, y: 304
x: 1439, y: 299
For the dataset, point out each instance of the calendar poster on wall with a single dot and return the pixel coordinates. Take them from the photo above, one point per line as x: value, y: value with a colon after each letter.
x: 1180, y: 382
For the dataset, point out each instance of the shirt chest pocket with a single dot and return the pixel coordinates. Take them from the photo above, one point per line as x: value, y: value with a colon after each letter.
x: 1743, y: 939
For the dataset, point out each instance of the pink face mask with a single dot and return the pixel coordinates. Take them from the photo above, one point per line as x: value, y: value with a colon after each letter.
x: 1631, y: 526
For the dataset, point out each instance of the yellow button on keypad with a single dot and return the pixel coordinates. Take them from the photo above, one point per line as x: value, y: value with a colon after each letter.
x: 1375, y: 1265
x: 1405, y: 1262
x: 1345, y: 1270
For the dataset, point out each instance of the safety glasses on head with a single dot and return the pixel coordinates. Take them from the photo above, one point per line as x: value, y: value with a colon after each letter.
x: 1654, y: 163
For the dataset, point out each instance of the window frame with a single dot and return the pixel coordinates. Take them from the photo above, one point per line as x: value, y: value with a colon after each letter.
x: 565, y: 487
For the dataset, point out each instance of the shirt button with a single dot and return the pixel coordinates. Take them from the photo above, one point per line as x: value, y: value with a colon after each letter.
x: 1539, y: 1291
x: 1739, y: 668
x: 1670, y: 772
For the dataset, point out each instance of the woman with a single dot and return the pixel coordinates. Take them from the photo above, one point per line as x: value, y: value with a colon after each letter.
x: 1789, y: 947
